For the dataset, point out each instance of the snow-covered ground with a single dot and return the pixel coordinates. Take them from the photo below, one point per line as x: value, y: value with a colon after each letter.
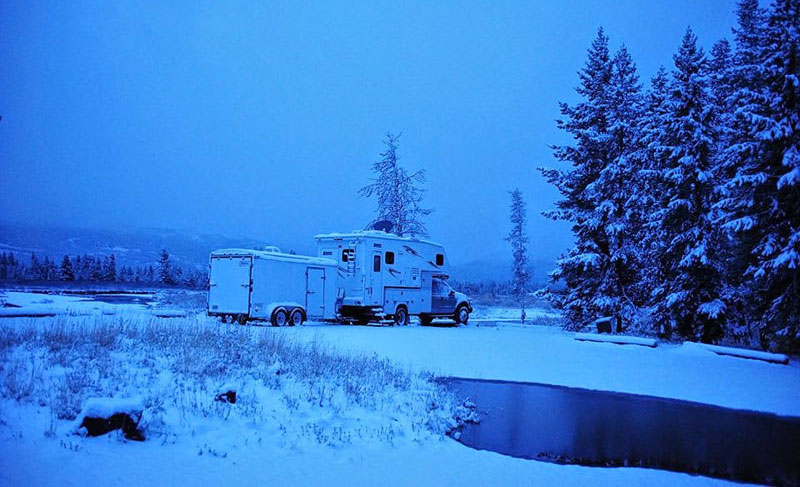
x: 284, y: 432
x: 551, y: 356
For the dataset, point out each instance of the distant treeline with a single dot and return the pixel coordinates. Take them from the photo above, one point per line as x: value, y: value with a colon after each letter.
x: 97, y: 268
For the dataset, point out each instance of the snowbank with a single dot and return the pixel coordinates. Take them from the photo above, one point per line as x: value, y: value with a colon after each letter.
x: 616, y: 339
x: 776, y: 358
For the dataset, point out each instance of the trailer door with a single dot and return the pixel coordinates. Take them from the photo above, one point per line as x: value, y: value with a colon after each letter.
x: 229, y: 287
x: 376, y: 280
x: 315, y: 292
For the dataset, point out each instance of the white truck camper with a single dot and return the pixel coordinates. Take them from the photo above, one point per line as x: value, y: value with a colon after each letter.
x: 383, y: 276
x: 357, y: 277
x: 269, y: 285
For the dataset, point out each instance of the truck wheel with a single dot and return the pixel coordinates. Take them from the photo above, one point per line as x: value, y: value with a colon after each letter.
x: 296, y: 318
x: 242, y: 319
x: 279, y: 317
x: 461, y: 315
x: 401, y: 317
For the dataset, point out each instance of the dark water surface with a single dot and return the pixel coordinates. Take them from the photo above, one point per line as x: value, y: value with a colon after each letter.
x: 580, y: 426
x: 142, y: 299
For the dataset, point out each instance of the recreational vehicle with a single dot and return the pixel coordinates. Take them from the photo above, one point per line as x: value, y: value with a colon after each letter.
x: 269, y: 285
x: 383, y: 276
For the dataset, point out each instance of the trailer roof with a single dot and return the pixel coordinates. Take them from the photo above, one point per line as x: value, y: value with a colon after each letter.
x: 263, y: 254
x: 371, y: 234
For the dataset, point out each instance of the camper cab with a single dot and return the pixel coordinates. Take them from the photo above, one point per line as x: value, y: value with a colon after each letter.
x: 383, y: 276
x: 269, y: 285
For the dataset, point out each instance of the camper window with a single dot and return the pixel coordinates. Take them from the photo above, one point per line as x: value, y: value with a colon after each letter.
x: 376, y: 263
x: 389, y: 258
x: 439, y: 260
x: 344, y: 255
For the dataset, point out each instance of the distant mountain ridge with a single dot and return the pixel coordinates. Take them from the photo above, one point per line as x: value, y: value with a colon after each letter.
x: 141, y: 246
x: 133, y: 247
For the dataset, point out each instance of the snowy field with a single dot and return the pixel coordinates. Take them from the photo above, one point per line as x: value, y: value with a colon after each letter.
x: 319, y: 404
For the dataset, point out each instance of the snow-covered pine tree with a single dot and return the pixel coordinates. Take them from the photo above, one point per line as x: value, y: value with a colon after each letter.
x: 762, y: 200
x: 399, y: 193
x: 601, y: 271
x: 66, y: 273
x: 620, y: 220
x: 165, y: 272
x: 688, y: 297
x: 519, y: 253
x: 587, y: 122
x: 645, y: 186
x: 110, y: 268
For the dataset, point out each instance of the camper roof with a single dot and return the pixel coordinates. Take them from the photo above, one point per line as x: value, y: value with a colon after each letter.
x: 370, y: 234
x: 262, y: 254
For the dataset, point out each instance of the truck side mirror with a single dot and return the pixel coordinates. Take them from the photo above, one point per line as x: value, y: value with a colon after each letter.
x: 452, y: 293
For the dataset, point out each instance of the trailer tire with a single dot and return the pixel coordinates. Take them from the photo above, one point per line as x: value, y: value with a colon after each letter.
x: 279, y: 317
x: 401, y: 317
x: 297, y: 317
x: 461, y: 316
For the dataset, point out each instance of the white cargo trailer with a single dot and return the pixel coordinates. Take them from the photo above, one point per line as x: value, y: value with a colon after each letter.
x: 383, y: 276
x: 268, y: 285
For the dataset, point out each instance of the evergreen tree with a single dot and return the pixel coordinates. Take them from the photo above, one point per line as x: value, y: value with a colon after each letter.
x: 399, y: 193
x: 519, y: 240
x: 3, y: 266
x: 762, y: 200
x: 617, y: 212
x: 587, y: 122
x: 110, y: 268
x: 150, y: 275
x: 96, y: 269
x: 165, y: 271
x: 35, y: 269
x: 688, y: 297
x: 601, y: 272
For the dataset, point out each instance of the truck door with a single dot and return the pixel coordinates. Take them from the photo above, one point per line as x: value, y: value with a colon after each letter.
x: 441, y: 300
x: 229, y: 284
x: 315, y: 292
x: 376, y: 280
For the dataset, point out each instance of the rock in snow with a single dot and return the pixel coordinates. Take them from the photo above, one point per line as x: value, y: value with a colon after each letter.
x: 101, y: 415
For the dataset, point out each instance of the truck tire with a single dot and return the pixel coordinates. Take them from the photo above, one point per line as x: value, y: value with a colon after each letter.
x: 297, y: 317
x: 461, y: 315
x: 279, y: 317
x: 401, y: 316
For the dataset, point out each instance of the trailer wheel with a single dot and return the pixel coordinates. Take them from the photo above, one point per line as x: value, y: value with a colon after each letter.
x: 461, y: 315
x: 297, y: 317
x: 279, y: 317
x: 401, y: 316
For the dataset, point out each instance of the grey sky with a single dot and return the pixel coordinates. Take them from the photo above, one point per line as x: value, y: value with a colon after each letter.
x: 262, y: 118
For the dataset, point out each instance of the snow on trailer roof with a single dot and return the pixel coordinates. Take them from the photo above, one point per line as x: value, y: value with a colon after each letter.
x: 373, y: 234
x: 264, y: 254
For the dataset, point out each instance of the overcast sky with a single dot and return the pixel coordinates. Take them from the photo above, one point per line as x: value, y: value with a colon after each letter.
x: 262, y: 118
